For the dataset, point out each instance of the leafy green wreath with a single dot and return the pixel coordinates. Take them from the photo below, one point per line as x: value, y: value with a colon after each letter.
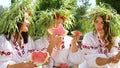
x: 112, y: 17
x: 8, y: 22
x: 45, y: 19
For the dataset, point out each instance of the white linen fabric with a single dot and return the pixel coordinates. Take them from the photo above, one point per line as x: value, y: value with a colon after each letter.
x: 91, y: 49
x: 59, y: 56
x: 11, y: 53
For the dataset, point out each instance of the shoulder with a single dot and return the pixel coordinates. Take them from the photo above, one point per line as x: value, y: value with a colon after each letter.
x: 89, y: 34
x: 2, y: 38
x: 30, y: 38
x: 117, y: 39
x: 89, y: 38
x: 68, y: 37
x: 44, y: 38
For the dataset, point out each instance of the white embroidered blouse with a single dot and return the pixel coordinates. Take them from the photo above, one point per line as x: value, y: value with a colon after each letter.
x: 11, y: 53
x: 93, y: 47
x: 64, y: 55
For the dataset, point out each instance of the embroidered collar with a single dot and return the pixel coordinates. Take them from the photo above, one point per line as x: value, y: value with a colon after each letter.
x: 101, y: 43
x: 19, y: 48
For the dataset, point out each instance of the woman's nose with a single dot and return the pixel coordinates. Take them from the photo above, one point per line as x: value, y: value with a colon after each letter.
x: 27, y: 22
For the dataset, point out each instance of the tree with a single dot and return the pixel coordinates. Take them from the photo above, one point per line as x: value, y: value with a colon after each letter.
x: 45, y: 10
x: 114, y: 3
x: 13, y: 1
x: 10, y: 16
x: 81, y: 20
x: 48, y: 4
x: 1, y: 10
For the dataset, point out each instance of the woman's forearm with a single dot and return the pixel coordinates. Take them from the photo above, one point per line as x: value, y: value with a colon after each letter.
x: 50, y: 48
x: 102, y: 61
x: 13, y: 66
x: 74, y: 47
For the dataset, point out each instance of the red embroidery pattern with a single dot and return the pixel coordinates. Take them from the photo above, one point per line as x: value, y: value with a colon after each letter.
x: 22, y: 52
x: 43, y: 49
x: 63, y: 46
x: 102, y: 47
x: 5, y: 53
x: 31, y: 50
x: 89, y: 47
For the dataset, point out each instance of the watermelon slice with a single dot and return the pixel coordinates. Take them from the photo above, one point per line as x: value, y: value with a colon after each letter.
x: 64, y: 66
x: 39, y: 57
x: 58, y: 31
x: 76, y: 33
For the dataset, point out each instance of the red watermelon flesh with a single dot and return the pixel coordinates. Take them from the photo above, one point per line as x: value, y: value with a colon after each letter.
x: 40, y: 57
x: 64, y: 66
x: 76, y: 33
x: 59, y: 31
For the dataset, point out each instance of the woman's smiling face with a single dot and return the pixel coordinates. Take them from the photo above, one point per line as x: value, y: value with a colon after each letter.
x: 99, y: 25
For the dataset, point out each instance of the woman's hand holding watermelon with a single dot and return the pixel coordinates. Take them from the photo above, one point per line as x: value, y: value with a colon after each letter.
x: 76, y: 35
x: 55, y: 40
x: 29, y: 65
x: 39, y: 57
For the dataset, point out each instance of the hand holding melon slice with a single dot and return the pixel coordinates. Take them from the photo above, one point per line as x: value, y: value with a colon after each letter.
x: 58, y: 31
x: 39, y: 57
x: 76, y: 33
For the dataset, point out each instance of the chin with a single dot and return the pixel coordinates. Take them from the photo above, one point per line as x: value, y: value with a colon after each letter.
x: 101, y: 32
x: 25, y: 30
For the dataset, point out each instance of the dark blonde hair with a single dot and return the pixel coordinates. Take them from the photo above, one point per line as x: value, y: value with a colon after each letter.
x: 108, y: 35
x: 57, y: 16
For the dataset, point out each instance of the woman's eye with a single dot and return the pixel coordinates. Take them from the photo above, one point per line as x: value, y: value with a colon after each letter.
x: 96, y: 21
x: 102, y: 22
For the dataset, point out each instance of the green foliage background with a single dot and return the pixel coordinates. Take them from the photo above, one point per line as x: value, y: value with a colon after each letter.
x: 114, y: 3
x: 77, y: 17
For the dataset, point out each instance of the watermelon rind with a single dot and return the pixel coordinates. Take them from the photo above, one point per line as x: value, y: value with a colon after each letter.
x: 40, y: 64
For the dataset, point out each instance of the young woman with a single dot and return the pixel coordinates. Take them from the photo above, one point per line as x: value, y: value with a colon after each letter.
x: 58, y: 47
x: 100, y: 48
x: 15, y: 46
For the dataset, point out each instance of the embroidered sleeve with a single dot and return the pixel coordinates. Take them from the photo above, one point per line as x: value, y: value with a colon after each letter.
x: 5, y: 54
x: 87, y: 44
x: 42, y: 43
x: 30, y: 45
x: 78, y: 57
x: 90, y: 50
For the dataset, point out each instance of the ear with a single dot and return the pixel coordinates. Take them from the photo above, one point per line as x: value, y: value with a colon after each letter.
x: 107, y: 17
x: 63, y: 18
x: 94, y: 20
x: 56, y: 16
x: 29, y: 12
